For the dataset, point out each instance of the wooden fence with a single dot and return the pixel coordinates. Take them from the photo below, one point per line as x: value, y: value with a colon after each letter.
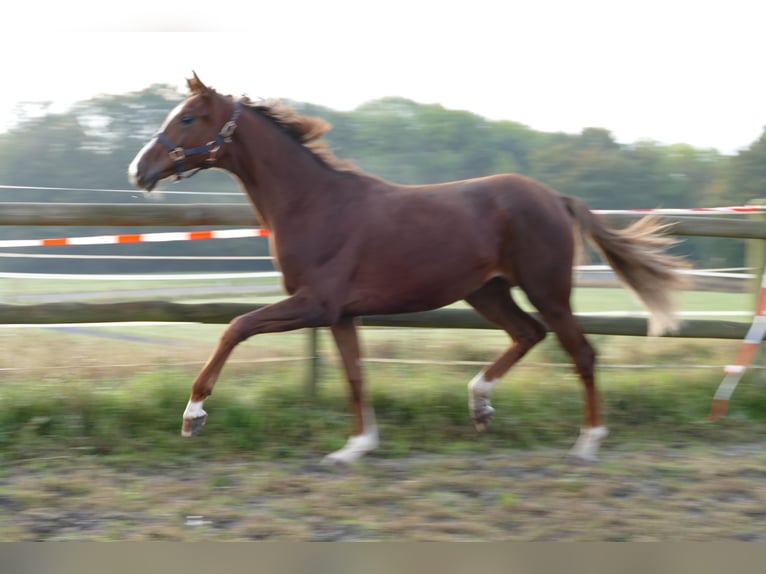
x: 121, y: 214
x: 116, y: 214
x: 169, y: 215
x: 75, y: 312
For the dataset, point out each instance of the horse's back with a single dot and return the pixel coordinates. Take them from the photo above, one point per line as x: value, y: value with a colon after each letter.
x: 427, y: 246
x: 500, y: 209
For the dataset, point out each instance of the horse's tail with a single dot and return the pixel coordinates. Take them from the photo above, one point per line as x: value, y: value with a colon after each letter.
x: 638, y: 256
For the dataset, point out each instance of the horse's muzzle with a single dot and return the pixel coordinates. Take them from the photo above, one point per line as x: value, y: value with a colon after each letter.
x: 142, y: 180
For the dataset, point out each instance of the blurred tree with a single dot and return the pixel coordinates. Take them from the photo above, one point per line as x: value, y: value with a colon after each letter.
x: 91, y: 145
x: 746, y: 178
x: 591, y: 165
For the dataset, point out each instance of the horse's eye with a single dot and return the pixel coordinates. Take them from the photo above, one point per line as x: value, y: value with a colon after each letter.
x: 187, y: 119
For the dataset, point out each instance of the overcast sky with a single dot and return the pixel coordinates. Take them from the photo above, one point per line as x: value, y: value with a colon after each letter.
x: 670, y: 70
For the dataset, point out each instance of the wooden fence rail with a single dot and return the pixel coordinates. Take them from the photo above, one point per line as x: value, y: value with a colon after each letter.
x: 157, y: 214
x: 229, y: 214
x: 70, y: 312
x: 171, y: 215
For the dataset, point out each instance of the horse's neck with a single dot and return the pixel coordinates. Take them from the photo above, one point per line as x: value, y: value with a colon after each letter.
x: 282, y: 179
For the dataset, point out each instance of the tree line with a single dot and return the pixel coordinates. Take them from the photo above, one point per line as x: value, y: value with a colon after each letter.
x: 91, y: 145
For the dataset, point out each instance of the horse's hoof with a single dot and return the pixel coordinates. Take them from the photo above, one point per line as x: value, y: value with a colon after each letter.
x: 588, y: 443
x: 356, y: 447
x: 481, y: 420
x: 483, y: 425
x: 193, y: 426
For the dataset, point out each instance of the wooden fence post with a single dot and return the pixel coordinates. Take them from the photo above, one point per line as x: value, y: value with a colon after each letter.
x: 755, y: 256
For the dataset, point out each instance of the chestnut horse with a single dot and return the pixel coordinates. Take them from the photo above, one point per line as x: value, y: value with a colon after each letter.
x: 350, y: 244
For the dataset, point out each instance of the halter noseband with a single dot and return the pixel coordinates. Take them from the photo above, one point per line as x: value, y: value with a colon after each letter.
x: 178, y: 154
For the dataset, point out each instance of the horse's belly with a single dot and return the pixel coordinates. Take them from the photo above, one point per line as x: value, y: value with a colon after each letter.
x: 407, y: 293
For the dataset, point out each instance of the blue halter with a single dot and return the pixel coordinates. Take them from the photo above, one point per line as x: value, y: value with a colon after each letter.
x: 179, y: 154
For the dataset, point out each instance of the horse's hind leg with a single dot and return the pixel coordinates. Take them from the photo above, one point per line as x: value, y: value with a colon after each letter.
x: 364, y: 437
x: 493, y: 301
x: 560, y: 319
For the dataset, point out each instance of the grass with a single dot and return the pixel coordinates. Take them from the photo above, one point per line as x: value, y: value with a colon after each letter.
x: 266, y: 413
x: 91, y: 451
x: 647, y: 494
x: 14, y: 289
x: 76, y: 392
x: 90, y: 446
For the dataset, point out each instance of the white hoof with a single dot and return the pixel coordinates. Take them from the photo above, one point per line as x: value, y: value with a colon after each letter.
x: 479, y: 392
x: 356, y: 447
x: 588, y: 443
x: 194, y: 418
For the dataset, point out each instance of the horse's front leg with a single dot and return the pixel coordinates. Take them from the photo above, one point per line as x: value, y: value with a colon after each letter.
x: 364, y: 436
x: 299, y: 311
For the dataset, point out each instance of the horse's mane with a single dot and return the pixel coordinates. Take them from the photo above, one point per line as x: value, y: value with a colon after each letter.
x: 307, y: 130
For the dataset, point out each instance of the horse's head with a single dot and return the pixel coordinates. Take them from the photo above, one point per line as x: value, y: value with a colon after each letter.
x: 190, y: 138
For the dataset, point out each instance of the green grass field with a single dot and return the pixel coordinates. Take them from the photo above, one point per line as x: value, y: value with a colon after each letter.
x: 120, y: 390
x: 90, y: 445
x: 13, y: 290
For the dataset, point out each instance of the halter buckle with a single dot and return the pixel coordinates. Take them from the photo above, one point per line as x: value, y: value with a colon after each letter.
x: 177, y: 154
x: 212, y: 150
x: 228, y: 130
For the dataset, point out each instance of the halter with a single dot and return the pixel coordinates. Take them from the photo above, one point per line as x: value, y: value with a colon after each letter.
x: 178, y: 154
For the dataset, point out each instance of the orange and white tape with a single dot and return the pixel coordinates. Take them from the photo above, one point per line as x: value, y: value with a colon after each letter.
x: 262, y: 232
x: 137, y: 238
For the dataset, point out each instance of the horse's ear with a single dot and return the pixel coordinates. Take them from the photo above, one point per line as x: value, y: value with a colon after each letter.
x: 195, y: 84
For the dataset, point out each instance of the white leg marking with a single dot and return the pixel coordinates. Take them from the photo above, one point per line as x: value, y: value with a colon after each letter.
x: 588, y: 443
x: 357, y: 446
x: 193, y: 410
x: 479, y: 392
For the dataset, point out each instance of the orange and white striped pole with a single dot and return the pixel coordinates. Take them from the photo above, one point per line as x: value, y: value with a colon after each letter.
x: 733, y: 372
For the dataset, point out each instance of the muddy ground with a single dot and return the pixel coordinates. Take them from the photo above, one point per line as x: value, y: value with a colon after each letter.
x: 651, y: 492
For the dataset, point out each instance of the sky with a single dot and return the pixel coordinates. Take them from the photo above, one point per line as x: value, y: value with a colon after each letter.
x: 672, y: 71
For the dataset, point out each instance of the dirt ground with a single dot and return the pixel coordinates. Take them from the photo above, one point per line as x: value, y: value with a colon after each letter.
x: 653, y: 492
